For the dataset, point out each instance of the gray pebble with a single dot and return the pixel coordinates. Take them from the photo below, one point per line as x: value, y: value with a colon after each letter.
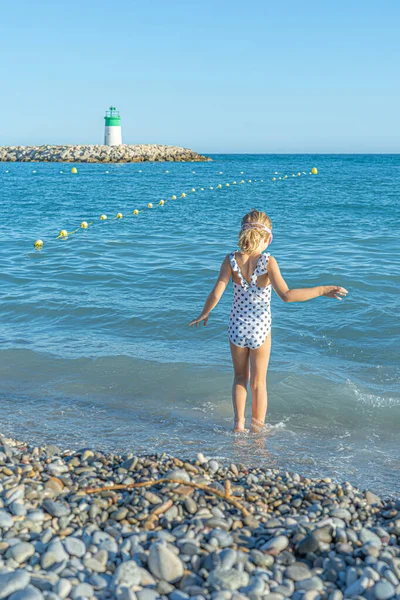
x: 163, y: 563
x: 21, y: 552
x: 298, y: 572
x: 55, y: 509
x: 12, y: 582
x: 276, y: 545
x: 383, y: 590
x: 6, y: 520
x: 127, y: 574
x: 147, y: 594
x: 82, y: 590
x: 74, y: 546
x: 232, y: 579
x: 63, y: 587
x: 28, y: 593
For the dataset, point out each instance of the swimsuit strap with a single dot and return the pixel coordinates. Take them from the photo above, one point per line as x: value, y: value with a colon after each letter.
x: 235, y: 267
x: 261, y: 269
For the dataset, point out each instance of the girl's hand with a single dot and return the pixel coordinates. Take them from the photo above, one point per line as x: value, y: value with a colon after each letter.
x: 333, y: 291
x: 199, y: 320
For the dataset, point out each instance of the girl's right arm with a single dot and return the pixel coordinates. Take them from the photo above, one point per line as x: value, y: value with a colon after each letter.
x: 301, y: 294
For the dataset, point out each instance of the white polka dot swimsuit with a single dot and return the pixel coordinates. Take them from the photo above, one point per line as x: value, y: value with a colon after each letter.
x: 250, y: 321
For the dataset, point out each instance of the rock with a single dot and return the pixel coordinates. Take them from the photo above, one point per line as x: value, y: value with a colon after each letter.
x: 276, y: 545
x: 6, y: 520
x: 367, y: 535
x: 298, y: 572
x: 309, y: 544
x: 213, y: 466
x: 164, y: 564
x: 372, y: 498
x: 13, y: 582
x: 179, y: 474
x: 147, y: 594
x: 96, y: 153
x: 127, y: 575
x: 21, y: 552
x: 74, y: 546
x: 63, y: 587
x: 313, y: 583
x: 55, y: 509
x: 82, y: 590
x: 383, y: 590
x: 358, y: 587
x: 28, y: 593
x: 227, y: 579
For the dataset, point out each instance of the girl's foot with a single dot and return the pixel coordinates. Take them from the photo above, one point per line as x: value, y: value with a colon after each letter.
x: 238, y: 426
x: 256, y: 425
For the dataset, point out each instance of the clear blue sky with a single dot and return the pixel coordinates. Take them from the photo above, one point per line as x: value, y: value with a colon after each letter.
x: 215, y: 75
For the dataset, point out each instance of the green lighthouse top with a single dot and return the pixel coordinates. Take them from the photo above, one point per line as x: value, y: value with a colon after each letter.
x: 112, y: 117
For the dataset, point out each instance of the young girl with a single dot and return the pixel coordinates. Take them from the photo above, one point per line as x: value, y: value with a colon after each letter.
x: 253, y: 273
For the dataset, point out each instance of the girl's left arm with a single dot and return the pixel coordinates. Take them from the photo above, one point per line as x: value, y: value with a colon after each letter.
x: 216, y: 293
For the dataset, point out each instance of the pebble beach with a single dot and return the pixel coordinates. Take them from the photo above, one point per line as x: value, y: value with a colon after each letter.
x: 87, y: 524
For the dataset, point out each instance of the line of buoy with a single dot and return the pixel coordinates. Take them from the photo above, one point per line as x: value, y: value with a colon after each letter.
x: 64, y: 234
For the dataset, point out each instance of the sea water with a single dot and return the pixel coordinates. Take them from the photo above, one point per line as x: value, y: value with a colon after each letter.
x: 95, y: 344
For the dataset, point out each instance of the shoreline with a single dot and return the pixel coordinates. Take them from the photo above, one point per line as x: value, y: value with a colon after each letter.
x: 82, y: 153
x: 208, y: 530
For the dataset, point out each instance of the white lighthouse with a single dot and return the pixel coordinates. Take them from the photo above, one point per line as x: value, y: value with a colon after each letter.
x: 112, y: 132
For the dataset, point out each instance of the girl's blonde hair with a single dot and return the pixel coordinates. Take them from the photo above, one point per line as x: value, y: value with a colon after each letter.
x: 249, y: 239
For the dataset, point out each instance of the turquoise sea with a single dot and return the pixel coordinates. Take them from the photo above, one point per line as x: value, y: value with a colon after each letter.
x: 95, y: 344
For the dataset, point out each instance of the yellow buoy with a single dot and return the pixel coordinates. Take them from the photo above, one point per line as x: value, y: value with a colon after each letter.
x: 242, y: 172
x: 281, y: 177
x: 194, y: 172
x: 74, y: 170
x: 167, y: 171
x: 314, y: 171
x: 193, y: 190
x: 220, y: 173
x: 298, y: 174
x: 149, y: 205
x: 63, y: 233
x: 243, y: 181
x: 249, y: 180
x: 233, y: 182
x: 161, y: 203
x: 139, y: 171
x: 227, y: 184
x: 211, y: 187
x: 274, y: 179
x: 103, y: 217
x: 284, y: 177
x: 135, y: 212
x: 118, y: 216
x: 183, y: 195
x: 84, y: 225
x: 173, y: 197
x: 202, y: 189
x: 38, y: 244
x: 262, y: 180
x: 219, y: 186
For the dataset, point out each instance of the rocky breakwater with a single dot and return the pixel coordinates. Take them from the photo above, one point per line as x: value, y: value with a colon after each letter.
x: 73, y: 526
x: 99, y: 154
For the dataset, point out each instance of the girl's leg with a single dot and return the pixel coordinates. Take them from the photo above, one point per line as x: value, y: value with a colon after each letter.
x: 240, y: 359
x: 259, y: 360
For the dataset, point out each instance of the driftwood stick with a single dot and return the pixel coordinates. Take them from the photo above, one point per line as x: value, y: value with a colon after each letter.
x: 200, y: 486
